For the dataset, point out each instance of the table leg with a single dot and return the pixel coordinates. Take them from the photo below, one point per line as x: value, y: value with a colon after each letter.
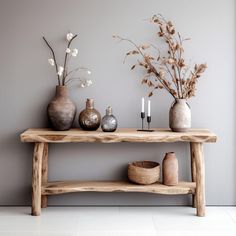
x: 44, y: 198
x: 197, y: 150
x: 193, y: 172
x: 36, y: 178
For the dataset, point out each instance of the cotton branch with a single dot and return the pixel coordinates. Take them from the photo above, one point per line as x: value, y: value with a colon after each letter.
x: 65, y: 61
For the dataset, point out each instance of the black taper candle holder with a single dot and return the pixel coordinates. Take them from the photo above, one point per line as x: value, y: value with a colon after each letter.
x: 142, y: 117
x: 148, y: 120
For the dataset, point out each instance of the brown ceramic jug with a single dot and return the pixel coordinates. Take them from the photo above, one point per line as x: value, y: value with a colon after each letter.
x: 170, y: 169
x: 61, y: 110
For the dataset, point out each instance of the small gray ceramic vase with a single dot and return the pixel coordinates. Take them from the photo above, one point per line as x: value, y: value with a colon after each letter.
x: 180, y: 116
x: 109, y: 121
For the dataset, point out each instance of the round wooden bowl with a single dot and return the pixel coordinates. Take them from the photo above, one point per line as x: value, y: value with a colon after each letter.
x: 144, y: 172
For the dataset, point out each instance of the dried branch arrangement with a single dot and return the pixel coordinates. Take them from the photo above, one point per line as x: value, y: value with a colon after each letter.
x: 168, y: 71
x: 64, y: 75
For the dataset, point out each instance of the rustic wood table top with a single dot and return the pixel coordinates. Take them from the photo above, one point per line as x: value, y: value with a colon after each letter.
x: 121, y: 135
x: 42, y: 188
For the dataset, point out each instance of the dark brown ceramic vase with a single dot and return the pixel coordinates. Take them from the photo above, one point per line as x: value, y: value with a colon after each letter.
x: 170, y: 169
x: 89, y: 118
x: 61, y: 110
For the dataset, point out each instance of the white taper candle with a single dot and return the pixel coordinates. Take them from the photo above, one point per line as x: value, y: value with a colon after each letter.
x: 142, y: 105
x: 149, y: 108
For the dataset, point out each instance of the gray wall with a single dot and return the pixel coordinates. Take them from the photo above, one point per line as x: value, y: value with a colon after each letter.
x: 28, y: 84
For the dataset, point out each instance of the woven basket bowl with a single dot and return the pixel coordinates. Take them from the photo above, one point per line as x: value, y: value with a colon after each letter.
x: 144, y: 172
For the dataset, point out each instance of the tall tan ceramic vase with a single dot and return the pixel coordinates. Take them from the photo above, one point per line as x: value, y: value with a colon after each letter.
x: 170, y: 169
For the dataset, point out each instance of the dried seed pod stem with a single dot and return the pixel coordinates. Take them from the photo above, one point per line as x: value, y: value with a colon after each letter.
x: 178, y: 80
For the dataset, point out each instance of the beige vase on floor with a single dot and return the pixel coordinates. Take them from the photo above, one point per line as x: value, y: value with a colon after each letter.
x: 170, y: 169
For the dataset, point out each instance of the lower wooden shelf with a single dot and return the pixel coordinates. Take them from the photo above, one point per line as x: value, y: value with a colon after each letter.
x: 60, y: 187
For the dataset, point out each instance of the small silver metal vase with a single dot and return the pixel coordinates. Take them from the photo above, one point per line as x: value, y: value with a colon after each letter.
x: 109, y: 121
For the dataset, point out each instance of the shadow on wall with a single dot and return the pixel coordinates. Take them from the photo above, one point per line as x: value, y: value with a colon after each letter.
x: 13, y: 180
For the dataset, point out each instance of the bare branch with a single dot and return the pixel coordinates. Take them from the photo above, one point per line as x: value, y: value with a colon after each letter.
x: 54, y: 58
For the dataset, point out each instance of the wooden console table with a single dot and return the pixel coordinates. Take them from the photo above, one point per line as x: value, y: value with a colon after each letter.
x: 41, y: 188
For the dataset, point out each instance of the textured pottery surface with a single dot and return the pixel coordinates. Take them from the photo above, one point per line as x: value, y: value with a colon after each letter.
x: 89, y: 118
x: 61, y: 110
x: 170, y: 169
x: 180, y: 116
x: 144, y: 172
x: 109, y: 121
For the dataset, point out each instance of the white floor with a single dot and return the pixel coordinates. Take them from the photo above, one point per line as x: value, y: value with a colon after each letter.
x: 114, y: 221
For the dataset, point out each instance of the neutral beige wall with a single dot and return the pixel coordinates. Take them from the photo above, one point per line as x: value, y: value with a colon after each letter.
x: 28, y: 83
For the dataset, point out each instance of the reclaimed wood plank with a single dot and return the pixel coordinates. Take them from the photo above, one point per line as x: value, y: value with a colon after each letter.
x: 36, y: 178
x: 121, y: 135
x: 44, y: 198
x: 193, y: 171
x: 197, y: 150
x: 60, y: 187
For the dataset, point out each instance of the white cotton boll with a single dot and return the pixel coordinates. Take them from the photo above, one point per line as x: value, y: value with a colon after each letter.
x: 88, y: 83
x: 60, y: 70
x: 68, y: 50
x: 51, y: 62
x: 82, y: 85
x: 69, y: 36
x: 74, y: 52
